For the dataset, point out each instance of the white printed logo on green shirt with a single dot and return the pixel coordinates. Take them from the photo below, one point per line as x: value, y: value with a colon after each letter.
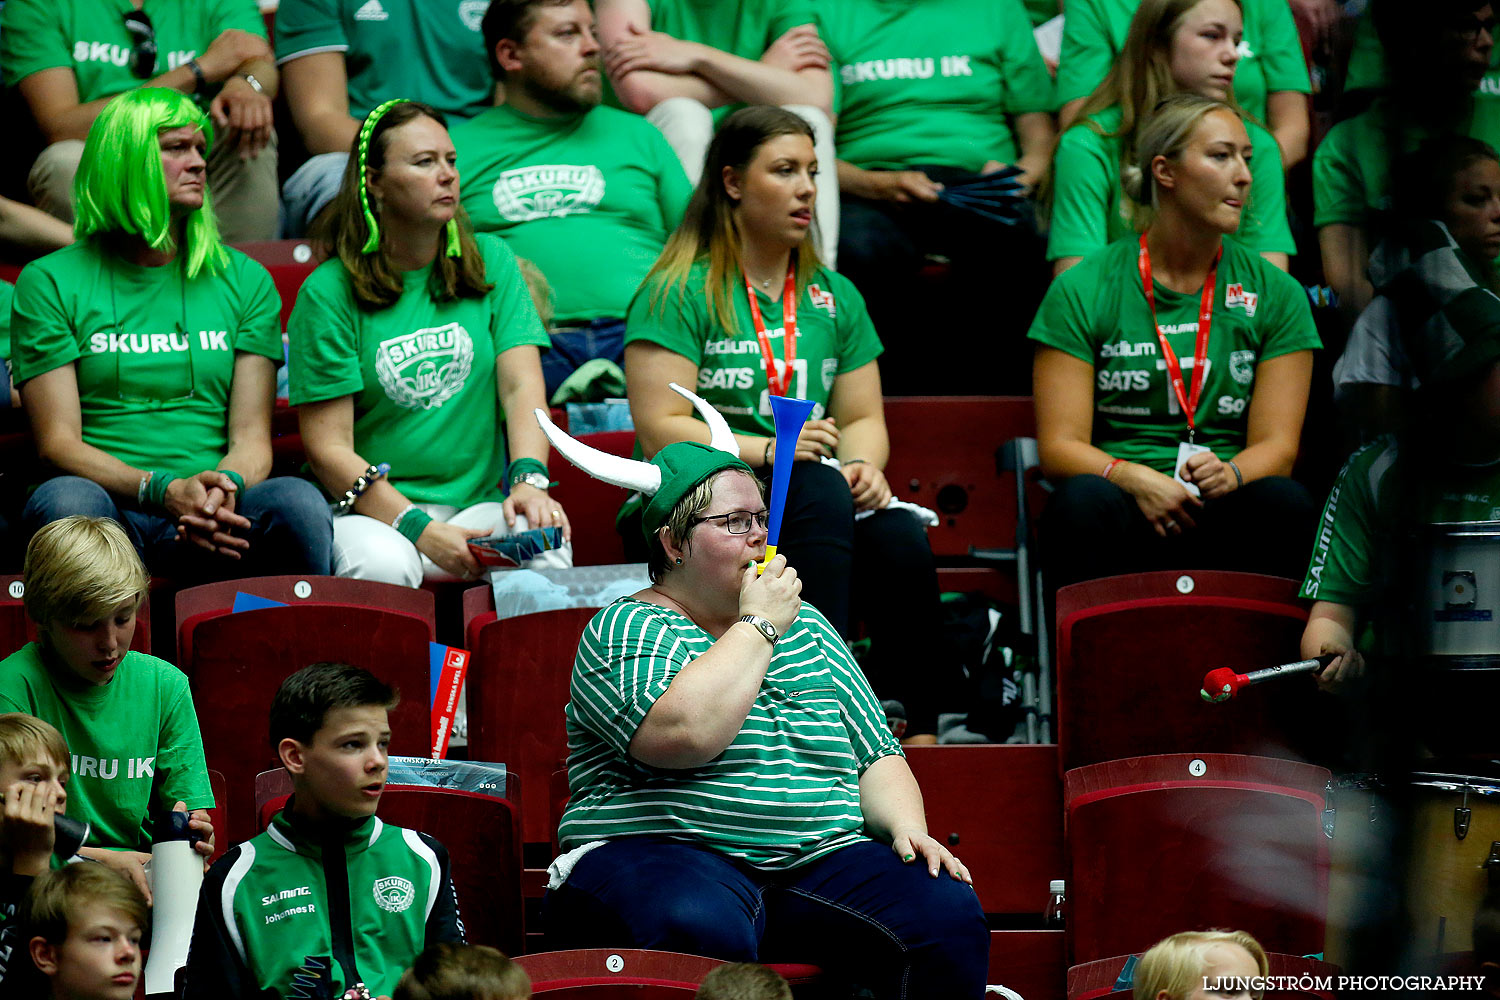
x: 472, y: 13
x: 394, y: 894
x: 548, y: 191
x: 425, y: 369
x: 1242, y: 366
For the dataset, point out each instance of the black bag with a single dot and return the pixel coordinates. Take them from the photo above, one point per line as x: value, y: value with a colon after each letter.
x: 985, y: 638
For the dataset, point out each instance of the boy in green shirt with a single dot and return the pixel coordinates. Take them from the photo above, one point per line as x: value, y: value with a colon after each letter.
x: 87, y: 924
x: 127, y: 717
x: 328, y: 892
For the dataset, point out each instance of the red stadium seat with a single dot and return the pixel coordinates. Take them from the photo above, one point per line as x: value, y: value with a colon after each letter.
x: 197, y: 605
x: 1010, y: 837
x: 517, y: 687
x: 289, y: 261
x: 219, y: 814
x: 238, y: 661
x: 1132, y: 652
x: 1031, y: 962
x: 483, y: 838
x: 615, y: 972
x: 1098, y: 980
x: 591, y: 504
x: 17, y: 629
x: 943, y: 457
x: 1179, y: 842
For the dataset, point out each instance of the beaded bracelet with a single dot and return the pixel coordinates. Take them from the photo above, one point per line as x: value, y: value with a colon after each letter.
x: 368, y: 478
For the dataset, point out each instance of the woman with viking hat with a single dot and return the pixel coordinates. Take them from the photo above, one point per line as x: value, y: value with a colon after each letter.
x: 735, y: 791
x: 146, y: 354
x: 409, y: 348
x: 740, y: 306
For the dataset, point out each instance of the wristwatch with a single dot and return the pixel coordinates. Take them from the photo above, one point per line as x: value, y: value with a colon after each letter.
x: 253, y: 82
x: 534, y: 479
x: 762, y: 626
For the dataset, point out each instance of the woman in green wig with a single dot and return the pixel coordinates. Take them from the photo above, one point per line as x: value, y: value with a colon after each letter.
x: 146, y: 354
x: 409, y: 348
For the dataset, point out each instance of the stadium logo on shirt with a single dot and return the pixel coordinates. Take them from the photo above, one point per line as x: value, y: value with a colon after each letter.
x: 425, y: 369
x: 394, y: 894
x: 822, y: 300
x: 1235, y: 295
x: 471, y: 12
x: 1242, y: 366
x: 548, y: 191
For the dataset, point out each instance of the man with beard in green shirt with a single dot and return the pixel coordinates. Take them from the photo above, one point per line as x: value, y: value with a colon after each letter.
x: 586, y: 193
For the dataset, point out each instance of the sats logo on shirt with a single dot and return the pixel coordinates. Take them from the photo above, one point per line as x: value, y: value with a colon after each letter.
x: 424, y: 369
x: 394, y: 894
x: 822, y: 300
x: 548, y: 191
x: 1235, y: 295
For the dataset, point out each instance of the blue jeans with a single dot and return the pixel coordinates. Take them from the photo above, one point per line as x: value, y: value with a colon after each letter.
x: 573, y: 345
x: 291, y: 530
x: 858, y: 912
x: 309, y: 190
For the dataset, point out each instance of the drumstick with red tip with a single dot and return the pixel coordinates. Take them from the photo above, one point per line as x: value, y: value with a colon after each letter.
x: 1222, y: 683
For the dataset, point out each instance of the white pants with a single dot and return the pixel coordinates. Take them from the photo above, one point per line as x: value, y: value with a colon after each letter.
x: 689, y: 127
x: 368, y: 549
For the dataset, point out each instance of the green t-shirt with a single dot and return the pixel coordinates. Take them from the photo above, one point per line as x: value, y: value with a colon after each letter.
x: 89, y: 37
x: 589, y: 199
x: 786, y: 789
x: 7, y: 293
x: 1352, y: 165
x: 1271, y: 57
x: 1357, y: 532
x: 426, y: 50
x: 1097, y: 312
x: 154, y: 352
x: 741, y: 29
x: 1089, y: 207
x: 834, y: 336
x: 932, y: 83
x: 134, y: 741
x: 422, y: 373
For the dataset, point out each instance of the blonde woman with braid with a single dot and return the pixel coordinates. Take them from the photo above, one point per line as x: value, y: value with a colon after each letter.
x: 146, y: 356
x: 409, y: 349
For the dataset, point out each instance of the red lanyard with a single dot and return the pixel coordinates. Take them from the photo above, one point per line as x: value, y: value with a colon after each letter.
x: 1188, y: 402
x: 779, y: 386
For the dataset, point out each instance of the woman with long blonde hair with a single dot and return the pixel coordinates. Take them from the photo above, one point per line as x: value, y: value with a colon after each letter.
x: 740, y: 307
x: 1174, y: 46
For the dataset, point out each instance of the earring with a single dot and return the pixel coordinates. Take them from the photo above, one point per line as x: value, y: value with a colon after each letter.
x: 679, y: 560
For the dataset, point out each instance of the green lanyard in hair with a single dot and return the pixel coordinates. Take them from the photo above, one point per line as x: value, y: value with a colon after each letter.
x: 372, y: 242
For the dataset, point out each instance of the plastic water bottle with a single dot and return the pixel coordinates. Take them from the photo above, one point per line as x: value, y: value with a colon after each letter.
x: 1052, y: 914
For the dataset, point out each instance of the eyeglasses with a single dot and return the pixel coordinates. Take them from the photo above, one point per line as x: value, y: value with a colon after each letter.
x: 1469, y: 28
x: 143, y: 47
x: 737, y: 522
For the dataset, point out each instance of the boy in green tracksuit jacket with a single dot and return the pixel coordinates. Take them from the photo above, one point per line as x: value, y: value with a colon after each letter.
x: 329, y: 896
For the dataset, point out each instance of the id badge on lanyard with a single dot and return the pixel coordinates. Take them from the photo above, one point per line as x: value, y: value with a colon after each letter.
x: 779, y: 385
x: 1186, y: 398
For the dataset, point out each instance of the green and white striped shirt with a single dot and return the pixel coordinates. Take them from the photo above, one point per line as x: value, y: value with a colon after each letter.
x: 784, y: 792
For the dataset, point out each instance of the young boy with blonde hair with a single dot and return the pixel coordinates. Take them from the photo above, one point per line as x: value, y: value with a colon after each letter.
x: 127, y: 717
x: 743, y: 981
x: 1200, y: 963
x: 86, y: 923
x: 33, y: 781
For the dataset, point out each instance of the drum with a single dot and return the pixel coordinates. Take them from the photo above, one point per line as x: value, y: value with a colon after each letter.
x: 1455, y: 841
x: 1461, y: 609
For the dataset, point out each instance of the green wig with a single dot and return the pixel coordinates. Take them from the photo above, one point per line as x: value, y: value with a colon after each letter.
x: 120, y: 187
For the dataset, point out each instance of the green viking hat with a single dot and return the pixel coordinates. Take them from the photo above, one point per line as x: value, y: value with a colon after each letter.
x: 668, y: 477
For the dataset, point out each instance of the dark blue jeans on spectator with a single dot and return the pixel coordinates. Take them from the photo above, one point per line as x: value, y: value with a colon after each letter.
x: 1092, y: 528
x: 291, y: 529
x: 860, y: 913
x: 573, y: 345
x: 966, y: 332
